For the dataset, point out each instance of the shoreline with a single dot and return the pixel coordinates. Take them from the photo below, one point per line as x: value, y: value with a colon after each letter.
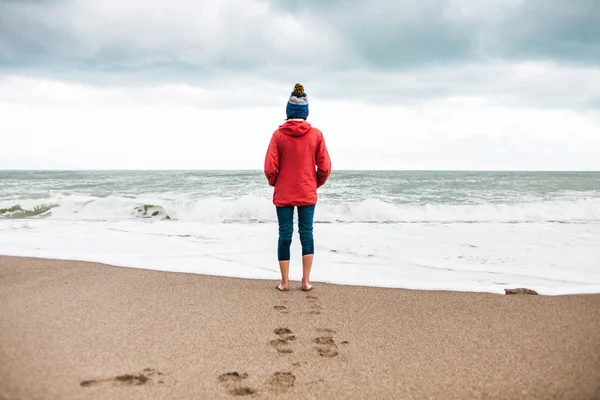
x: 353, y: 274
x: 81, y: 330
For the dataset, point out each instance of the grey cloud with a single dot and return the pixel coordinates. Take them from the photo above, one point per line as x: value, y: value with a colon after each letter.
x: 568, y: 32
x: 38, y: 37
x: 385, y: 35
x: 499, y: 84
x: 27, y: 44
x: 382, y: 51
x: 374, y: 34
x: 437, y: 33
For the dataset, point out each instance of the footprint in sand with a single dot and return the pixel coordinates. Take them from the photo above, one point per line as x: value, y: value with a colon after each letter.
x: 232, y: 382
x: 280, y: 382
x: 281, y: 344
x: 330, y: 331
x: 141, y: 378
x: 281, y: 309
x: 326, y: 346
x: 298, y: 364
x: 314, y: 308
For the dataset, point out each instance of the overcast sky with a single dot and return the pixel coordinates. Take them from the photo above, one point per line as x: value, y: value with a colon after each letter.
x: 393, y: 84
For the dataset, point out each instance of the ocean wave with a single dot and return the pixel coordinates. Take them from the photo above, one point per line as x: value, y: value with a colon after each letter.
x: 17, y: 211
x: 259, y: 209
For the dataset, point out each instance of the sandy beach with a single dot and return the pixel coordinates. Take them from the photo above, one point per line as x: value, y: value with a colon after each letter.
x: 75, y: 330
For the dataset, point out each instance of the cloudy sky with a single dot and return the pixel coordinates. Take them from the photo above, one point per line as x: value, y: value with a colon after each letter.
x: 393, y: 84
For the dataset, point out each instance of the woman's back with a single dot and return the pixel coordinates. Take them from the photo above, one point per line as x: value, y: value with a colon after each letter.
x: 295, y: 150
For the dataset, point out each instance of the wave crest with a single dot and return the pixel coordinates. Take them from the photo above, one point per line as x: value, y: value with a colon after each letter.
x: 258, y: 209
x: 17, y: 211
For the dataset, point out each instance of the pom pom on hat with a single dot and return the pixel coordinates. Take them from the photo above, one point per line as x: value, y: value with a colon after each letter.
x: 298, y: 90
x: 297, y: 106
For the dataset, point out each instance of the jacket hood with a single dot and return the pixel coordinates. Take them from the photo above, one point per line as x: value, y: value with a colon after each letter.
x: 295, y: 127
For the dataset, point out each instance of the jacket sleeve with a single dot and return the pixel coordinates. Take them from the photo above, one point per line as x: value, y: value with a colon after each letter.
x: 272, y: 161
x: 323, y: 163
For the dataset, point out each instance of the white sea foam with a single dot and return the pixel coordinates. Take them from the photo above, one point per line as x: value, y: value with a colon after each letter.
x: 487, y: 257
x: 253, y: 208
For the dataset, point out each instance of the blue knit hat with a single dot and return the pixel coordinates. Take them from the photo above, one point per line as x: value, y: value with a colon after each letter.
x: 297, y: 106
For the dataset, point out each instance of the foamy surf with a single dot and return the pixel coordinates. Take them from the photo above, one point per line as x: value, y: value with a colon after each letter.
x: 488, y: 257
x: 256, y: 209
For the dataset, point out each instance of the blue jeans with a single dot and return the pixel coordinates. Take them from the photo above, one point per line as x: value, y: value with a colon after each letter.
x: 285, y: 218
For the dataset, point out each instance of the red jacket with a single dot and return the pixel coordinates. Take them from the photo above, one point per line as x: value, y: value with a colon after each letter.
x: 295, y: 149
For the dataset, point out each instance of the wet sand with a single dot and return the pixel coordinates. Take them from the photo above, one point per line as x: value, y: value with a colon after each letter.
x: 75, y: 330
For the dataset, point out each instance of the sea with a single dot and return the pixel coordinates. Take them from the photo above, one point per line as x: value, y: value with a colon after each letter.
x: 429, y: 230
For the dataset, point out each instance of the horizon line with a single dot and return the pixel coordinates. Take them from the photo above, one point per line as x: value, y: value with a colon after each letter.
x: 260, y: 170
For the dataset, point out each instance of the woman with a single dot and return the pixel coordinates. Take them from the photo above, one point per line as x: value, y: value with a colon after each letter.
x: 294, y: 151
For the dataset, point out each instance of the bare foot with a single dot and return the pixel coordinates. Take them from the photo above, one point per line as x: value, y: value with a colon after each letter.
x: 283, y: 288
x: 306, y: 286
